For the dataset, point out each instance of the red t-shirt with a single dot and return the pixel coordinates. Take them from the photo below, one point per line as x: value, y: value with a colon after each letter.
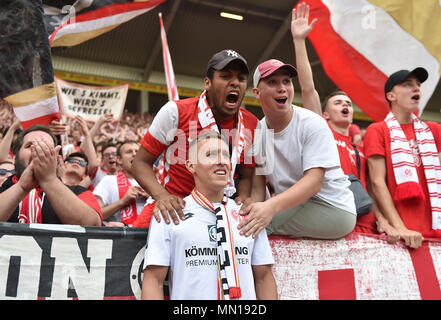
x: 171, y: 130
x: 416, y: 215
x: 354, y: 129
x: 348, y: 162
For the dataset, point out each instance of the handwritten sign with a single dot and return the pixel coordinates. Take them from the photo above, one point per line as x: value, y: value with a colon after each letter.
x: 90, y: 102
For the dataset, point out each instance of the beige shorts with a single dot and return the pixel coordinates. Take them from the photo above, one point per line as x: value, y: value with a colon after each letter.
x: 313, y: 219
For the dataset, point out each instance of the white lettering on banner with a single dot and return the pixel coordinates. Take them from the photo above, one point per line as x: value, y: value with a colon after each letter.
x: 29, y: 271
x: 69, y: 264
x: 381, y: 270
x: 39, y: 265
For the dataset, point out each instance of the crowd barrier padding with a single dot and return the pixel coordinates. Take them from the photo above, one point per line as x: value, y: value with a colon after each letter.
x: 95, y: 263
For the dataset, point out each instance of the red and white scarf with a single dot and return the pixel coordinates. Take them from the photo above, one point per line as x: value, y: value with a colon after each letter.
x: 30, y: 207
x: 405, y: 171
x: 228, y: 286
x: 129, y: 213
x: 206, y: 119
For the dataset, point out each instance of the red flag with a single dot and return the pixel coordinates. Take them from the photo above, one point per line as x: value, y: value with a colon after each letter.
x: 360, y: 43
x: 168, y: 67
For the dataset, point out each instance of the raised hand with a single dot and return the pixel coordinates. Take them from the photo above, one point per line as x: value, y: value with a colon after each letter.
x: 300, y: 27
x: 58, y: 128
x: 83, y: 125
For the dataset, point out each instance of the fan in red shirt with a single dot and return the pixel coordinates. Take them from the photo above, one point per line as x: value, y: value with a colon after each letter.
x: 404, y: 163
x: 338, y: 111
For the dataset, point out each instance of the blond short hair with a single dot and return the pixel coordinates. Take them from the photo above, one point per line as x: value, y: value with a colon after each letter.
x: 204, y: 135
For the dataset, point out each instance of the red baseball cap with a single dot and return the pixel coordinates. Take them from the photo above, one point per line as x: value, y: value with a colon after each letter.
x: 267, y: 68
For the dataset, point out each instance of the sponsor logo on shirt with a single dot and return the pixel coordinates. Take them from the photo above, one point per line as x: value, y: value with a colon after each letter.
x: 212, y: 234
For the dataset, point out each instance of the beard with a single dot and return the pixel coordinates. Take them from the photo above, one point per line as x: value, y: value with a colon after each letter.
x: 19, y: 167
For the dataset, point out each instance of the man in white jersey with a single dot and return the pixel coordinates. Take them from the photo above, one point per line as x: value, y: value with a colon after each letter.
x: 189, y: 250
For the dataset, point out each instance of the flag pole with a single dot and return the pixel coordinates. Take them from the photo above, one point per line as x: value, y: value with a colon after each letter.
x: 168, y: 67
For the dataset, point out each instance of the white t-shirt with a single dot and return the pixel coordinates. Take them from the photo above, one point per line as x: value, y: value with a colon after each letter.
x: 99, y: 175
x: 307, y: 142
x: 189, y: 249
x: 108, y: 191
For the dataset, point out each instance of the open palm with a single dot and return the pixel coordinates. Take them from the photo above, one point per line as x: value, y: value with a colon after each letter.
x: 300, y: 27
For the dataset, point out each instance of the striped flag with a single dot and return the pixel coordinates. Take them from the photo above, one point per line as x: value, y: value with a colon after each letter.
x: 168, y: 67
x: 361, y: 42
x: 27, y: 77
x: 86, y: 19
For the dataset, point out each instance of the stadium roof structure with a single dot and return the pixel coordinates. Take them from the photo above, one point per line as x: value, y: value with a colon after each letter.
x: 195, y: 31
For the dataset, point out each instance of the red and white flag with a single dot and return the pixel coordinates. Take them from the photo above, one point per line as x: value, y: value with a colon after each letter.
x: 361, y: 42
x: 84, y: 20
x: 168, y: 67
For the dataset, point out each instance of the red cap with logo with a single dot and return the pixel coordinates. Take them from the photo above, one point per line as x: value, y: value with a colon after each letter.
x: 268, y: 67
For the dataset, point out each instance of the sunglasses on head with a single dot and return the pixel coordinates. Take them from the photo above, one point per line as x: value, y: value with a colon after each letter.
x: 77, y: 161
x: 4, y: 172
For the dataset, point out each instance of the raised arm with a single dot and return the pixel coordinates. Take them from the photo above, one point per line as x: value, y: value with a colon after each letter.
x: 87, y: 146
x: 96, y: 127
x: 300, y: 28
x: 5, y: 144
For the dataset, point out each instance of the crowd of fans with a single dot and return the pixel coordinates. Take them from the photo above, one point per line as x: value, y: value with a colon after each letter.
x: 89, y: 151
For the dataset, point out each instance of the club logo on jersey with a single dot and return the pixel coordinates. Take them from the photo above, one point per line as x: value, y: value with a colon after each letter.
x: 212, y: 234
x: 236, y: 215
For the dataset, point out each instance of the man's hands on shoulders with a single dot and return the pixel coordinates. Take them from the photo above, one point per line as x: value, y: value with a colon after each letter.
x: 257, y: 216
x: 170, y: 206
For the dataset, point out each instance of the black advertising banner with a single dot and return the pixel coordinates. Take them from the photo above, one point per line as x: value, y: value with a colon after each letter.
x: 70, y: 262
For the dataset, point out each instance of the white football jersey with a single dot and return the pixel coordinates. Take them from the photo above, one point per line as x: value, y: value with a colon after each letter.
x: 189, y: 249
